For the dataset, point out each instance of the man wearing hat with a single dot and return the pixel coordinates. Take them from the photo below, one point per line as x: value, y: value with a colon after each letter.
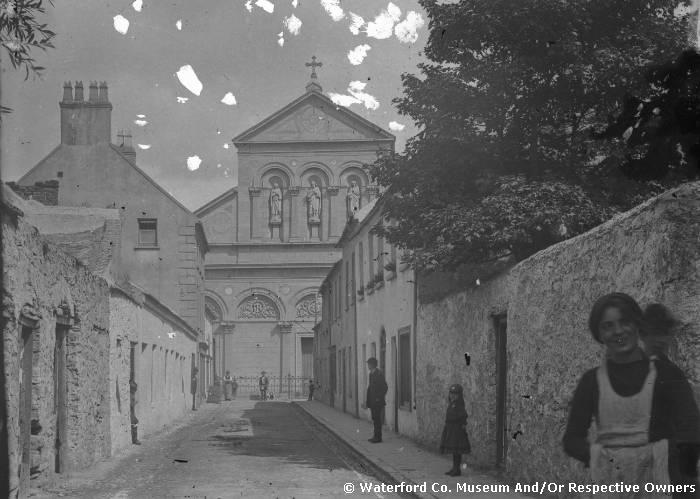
x: 376, y: 391
x: 193, y: 387
x: 263, y: 383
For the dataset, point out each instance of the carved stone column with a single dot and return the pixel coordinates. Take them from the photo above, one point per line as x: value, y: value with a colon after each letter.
x: 254, y: 193
x: 293, y: 216
x: 332, y: 191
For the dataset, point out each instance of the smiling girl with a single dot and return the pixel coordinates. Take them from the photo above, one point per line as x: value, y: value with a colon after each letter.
x: 648, y: 427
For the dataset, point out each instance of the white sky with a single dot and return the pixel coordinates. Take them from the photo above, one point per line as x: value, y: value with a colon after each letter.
x: 175, y: 70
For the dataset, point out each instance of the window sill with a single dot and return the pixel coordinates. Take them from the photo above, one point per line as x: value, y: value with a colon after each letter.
x: 146, y: 247
x: 405, y: 407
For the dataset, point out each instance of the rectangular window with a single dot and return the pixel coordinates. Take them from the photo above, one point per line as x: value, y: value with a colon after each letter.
x: 405, y: 368
x: 380, y: 255
x: 148, y: 232
x: 373, y: 349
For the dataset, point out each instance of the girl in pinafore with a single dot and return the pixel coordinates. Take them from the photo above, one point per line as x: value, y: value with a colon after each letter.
x: 454, y: 434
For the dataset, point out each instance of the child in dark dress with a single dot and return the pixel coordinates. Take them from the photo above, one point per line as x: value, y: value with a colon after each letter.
x: 454, y: 434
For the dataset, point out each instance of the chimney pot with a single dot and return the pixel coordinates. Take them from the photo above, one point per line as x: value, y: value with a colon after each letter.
x: 79, y: 91
x: 67, y: 92
x: 103, y: 96
x: 93, y: 92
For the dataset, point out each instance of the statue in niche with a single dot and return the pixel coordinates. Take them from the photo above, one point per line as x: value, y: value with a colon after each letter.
x: 276, y: 203
x: 314, y: 200
x: 353, y: 198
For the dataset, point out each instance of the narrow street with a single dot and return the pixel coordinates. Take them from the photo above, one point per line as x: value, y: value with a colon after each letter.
x: 240, y: 448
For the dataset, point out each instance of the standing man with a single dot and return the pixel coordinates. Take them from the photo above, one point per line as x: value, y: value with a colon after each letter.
x: 228, y: 386
x: 193, y: 387
x: 311, y: 389
x: 134, y: 419
x: 376, y: 391
x: 263, y: 383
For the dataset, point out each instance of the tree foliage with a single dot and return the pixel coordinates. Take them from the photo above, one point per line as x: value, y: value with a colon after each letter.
x: 662, y: 131
x: 506, y: 160
x: 21, y: 33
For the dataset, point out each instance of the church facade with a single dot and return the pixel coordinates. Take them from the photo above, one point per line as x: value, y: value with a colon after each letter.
x: 272, y: 239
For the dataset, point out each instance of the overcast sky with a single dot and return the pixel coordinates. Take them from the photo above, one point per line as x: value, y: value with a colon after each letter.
x: 233, y: 46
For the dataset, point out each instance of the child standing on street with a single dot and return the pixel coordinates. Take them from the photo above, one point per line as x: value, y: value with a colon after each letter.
x: 454, y: 434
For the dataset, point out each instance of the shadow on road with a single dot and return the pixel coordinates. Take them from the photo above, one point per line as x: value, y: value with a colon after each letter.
x: 280, y: 431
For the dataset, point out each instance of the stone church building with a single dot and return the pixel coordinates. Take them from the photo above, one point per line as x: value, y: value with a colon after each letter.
x: 272, y: 239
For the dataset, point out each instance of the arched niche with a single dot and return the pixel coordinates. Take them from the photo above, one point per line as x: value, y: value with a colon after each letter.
x: 214, y: 307
x: 275, y: 172
x: 353, y: 171
x: 259, y: 304
x: 318, y: 172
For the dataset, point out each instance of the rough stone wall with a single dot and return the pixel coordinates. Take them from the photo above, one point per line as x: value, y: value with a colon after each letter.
x: 649, y: 252
x: 162, y: 368
x: 447, y: 329
x: 45, y: 192
x: 38, y: 274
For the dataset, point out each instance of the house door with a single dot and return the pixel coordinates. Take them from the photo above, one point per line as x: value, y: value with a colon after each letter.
x: 307, y: 359
x: 333, y: 379
x: 501, y: 389
x: 59, y: 376
x: 343, y: 380
x: 25, y: 406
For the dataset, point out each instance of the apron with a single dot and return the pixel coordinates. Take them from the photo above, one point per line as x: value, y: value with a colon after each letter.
x: 622, y: 451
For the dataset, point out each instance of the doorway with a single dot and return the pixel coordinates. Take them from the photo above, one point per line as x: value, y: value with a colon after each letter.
x: 25, y: 405
x: 307, y: 358
x: 60, y: 388
x: 501, y: 330
x: 333, y: 380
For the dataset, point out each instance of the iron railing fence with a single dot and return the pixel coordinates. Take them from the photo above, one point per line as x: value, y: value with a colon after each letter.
x: 290, y: 387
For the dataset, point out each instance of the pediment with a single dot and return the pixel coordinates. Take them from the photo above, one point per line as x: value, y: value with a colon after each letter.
x: 313, y: 118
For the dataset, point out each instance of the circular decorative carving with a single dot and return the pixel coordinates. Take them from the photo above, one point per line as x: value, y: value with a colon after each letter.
x: 309, y: 307
x: 258, y: 307
x: 284, y: 289
x: 228, y: 291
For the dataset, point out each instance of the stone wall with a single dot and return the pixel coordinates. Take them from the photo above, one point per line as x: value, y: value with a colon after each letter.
x: 36, y: 274
x: 162, y: 366
x: 45, y: 192
x: 649, y: 252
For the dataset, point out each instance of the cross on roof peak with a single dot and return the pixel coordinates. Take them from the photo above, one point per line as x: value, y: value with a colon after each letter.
x: 313, y: 65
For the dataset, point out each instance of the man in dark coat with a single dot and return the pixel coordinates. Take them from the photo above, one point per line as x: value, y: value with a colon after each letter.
x: 193, y: 387
x: 376, y: 391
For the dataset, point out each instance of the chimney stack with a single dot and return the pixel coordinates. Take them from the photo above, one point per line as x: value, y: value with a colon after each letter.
x: 85, y: 122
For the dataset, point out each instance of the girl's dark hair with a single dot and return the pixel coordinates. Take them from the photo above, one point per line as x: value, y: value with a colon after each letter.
x: 658, y: 320
x: 627, y: 306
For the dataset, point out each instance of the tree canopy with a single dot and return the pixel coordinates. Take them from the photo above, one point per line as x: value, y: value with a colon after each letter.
x: 511, y: 107
x: 21, y: 33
